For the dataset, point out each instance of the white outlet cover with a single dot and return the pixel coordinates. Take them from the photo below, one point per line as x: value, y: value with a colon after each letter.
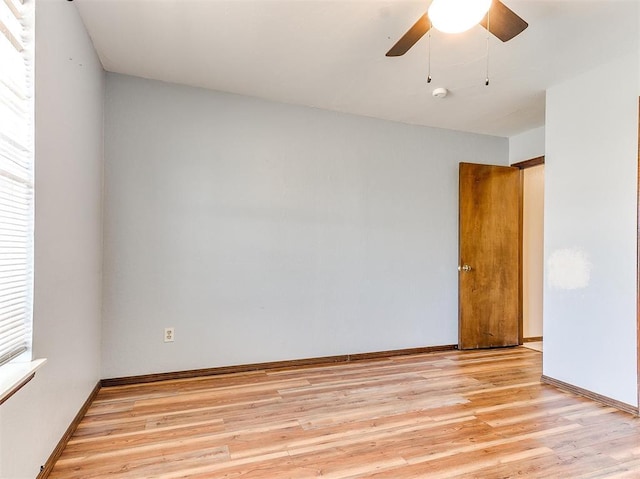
x: 169, y: 335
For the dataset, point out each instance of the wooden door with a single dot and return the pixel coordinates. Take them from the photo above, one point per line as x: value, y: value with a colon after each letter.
x: 489, y: 277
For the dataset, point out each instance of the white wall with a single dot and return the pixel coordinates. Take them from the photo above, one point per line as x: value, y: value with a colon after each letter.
x: 263, y: 231
x: 527, y: 145
x: 68, y: 260
x: 532, y: 250
x: 591, y: 231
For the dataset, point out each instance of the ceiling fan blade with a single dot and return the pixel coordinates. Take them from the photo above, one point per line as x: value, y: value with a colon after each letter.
x: 504, y: 23
x: 415, y: 33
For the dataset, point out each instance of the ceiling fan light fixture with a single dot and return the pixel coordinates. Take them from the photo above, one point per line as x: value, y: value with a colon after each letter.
x: 457, y: 16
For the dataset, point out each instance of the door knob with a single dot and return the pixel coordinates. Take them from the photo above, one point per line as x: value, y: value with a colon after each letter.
x: 465, y: 267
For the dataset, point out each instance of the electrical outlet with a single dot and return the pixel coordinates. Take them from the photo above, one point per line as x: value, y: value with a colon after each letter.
x: 168, y: 335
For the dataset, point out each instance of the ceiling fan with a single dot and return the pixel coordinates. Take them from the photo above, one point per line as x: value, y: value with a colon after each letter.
x: 499, y: 20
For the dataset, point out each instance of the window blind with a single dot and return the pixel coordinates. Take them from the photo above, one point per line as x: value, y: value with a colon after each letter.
x: 16, y: 177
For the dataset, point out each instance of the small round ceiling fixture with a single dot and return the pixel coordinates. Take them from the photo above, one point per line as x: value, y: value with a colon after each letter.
x: 440, y: 92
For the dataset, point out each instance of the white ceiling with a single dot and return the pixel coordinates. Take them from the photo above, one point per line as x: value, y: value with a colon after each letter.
x: 330, y: 54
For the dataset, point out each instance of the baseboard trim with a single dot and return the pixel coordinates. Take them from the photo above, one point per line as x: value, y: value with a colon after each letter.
x: 590, y: 395
x: 532, y: 339
x: 294, y: 363
x: 45, y: 470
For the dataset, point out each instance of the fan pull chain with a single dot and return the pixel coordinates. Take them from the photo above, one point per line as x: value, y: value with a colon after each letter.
x: 486, y: 81
x: 429, y: 59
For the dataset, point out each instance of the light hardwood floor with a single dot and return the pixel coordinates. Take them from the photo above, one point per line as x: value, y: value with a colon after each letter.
x: 479, y: 414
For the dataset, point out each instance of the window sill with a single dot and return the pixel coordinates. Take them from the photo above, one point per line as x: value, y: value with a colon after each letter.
x: 15, y: 375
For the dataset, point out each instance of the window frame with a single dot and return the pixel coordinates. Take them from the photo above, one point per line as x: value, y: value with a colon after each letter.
x: 17, y: 153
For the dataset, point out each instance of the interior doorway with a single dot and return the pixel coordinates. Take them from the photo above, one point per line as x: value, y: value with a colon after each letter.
x: 489, y: 228
x: 532, y: 172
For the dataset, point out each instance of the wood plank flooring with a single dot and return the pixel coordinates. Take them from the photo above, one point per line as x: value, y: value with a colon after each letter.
x: 455, y: 414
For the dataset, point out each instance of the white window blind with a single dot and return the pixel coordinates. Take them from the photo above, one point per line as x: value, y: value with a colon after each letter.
x: 16, y: 177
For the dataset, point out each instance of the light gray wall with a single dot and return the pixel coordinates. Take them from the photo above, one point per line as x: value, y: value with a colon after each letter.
x: 591, y: 231
x: 264, y: 232
x: 68, y: 241
x: 526, y: 145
